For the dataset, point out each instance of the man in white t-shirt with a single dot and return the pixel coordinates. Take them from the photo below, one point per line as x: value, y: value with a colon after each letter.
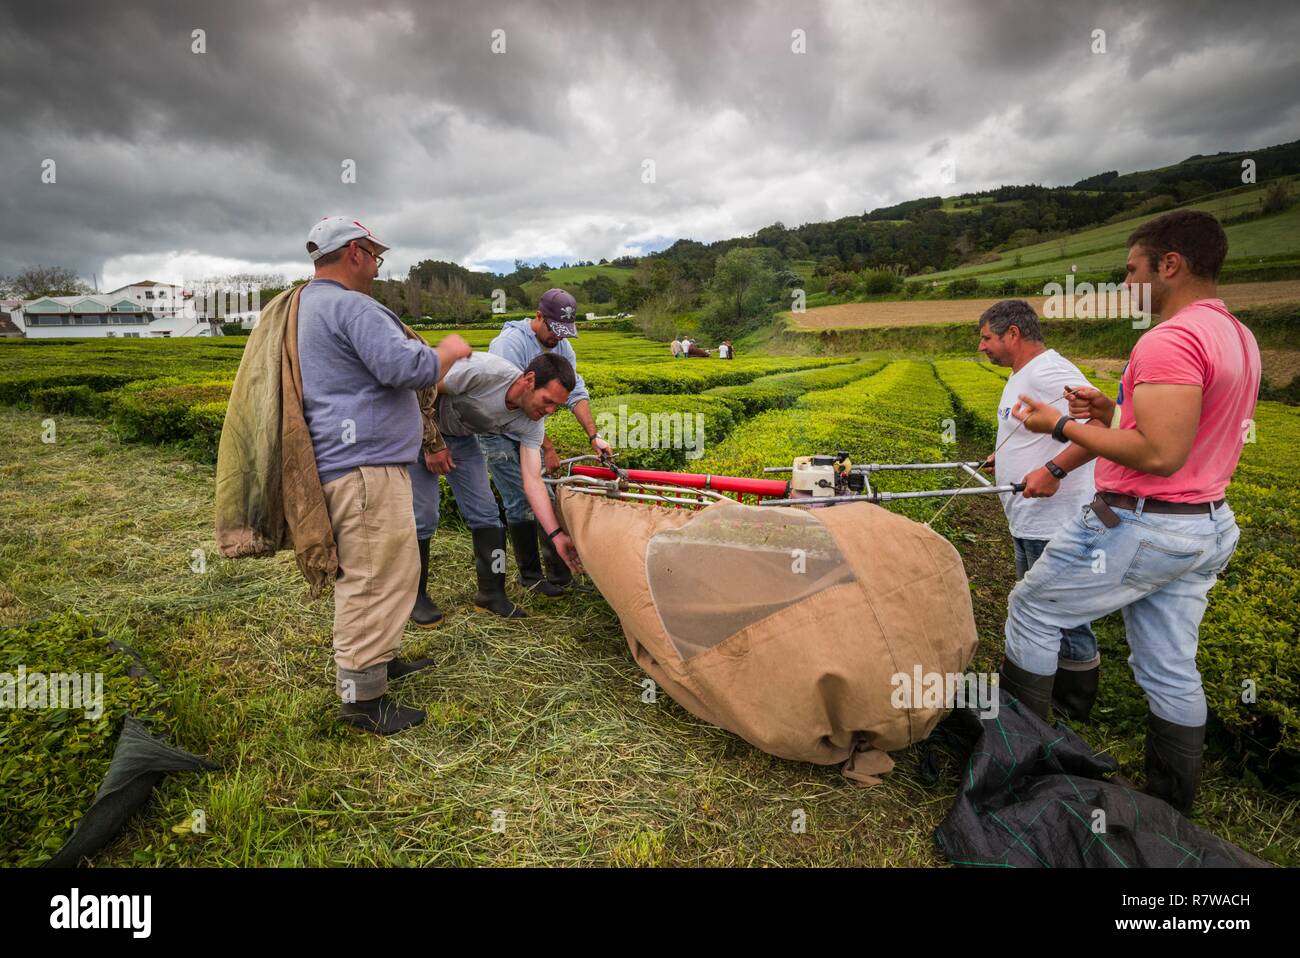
x: 1058, y: 480
x: 491, y: 395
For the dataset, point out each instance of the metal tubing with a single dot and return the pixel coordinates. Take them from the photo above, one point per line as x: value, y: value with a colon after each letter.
x: 879, y: 497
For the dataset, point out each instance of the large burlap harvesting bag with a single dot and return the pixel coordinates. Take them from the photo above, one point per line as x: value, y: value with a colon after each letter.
x: 785, y: 626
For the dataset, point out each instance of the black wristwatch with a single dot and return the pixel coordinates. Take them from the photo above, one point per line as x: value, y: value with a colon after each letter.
x: 1055, y: 470
x: 1057, y: 434
x: 553, y: 534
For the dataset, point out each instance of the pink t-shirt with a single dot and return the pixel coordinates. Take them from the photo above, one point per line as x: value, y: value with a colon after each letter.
x: 1200, y: 345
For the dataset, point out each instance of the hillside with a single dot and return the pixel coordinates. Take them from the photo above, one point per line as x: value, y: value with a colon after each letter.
x: 1272, y: 240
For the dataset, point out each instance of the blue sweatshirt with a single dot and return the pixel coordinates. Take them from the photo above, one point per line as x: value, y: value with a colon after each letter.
x: 359, y: 373
x: 518, y: 343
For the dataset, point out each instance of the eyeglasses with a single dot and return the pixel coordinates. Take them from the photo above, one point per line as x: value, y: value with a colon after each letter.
x: 379, y: 260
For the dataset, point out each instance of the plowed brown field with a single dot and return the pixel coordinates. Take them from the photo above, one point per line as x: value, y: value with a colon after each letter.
x: 930, y: 312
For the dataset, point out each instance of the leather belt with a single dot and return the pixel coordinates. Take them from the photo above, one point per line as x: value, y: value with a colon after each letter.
x: 1101, y: 505
x: 1160, y: 505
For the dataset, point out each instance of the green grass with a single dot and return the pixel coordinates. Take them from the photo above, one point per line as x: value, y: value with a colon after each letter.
x: 541, y: 718
x: 571, y: 277
x: 566, y: 276
x: 950, y: 204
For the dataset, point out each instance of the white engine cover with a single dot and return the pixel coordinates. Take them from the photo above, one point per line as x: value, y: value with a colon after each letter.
x: 812, y: 480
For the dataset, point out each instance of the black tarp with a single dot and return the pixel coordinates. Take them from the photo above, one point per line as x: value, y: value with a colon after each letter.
x: 1028, y: 798
x: 139, y: 763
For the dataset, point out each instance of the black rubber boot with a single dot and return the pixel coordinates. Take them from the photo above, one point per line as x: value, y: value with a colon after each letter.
x: 399, y: 667
x: 523, y: 536
x: 425, y: 614
x: 1034, y: 691
x: 1174, y: 761
x: 557, y: 573
x: 491, y: 596
x: 381, y: 716
x: 1075, y: 692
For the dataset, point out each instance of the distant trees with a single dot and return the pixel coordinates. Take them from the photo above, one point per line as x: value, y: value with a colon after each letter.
x: 742, y: 293
x: 628, y: 296
x: 479, y: 284
x: 412, y: 299
x: 919, y: 235
x: 879, y: 281
x: 1276, y: 198
x: 451, y: 299
x: 37, y: 281
x: 598, y: 289
x: 246, y: 281
x: 525, y: 274
x: 658, y: 317
x: 266, y: 286
x: 788, y: 279
x: 903, y: 210
x: 841, y: 283
x: 660, y: 275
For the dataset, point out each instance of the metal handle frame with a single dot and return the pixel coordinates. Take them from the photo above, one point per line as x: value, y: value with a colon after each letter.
x: 622, y: 488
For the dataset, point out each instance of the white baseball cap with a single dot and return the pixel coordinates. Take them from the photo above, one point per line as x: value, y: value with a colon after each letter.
x: 336, y: 232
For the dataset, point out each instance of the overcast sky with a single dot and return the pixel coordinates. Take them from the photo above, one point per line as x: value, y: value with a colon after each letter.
x: 172, y: 164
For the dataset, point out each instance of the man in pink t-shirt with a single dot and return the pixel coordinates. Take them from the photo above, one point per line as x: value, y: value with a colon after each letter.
x: 1160, y: 530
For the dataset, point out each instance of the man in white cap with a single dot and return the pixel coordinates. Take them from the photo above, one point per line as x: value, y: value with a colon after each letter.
x: 360, y: 373
x: 520, y: 342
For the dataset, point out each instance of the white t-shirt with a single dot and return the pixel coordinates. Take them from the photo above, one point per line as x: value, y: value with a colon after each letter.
x: 1042, y: 378
x: 472, y: 401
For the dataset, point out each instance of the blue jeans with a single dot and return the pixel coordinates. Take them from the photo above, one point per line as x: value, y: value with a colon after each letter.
x: 502, y: 454
x: 1157, y: 568
x: 1077, y: 645
x: 469, y: 484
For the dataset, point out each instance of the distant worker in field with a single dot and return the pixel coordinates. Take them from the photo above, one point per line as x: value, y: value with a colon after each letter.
x: 360, y: 370
x: 1058, y: 481
x: 1160, y: 531
x: 725, y: 351
x: 484, y: 395
x: 676, y: 347
x: 520, y: 342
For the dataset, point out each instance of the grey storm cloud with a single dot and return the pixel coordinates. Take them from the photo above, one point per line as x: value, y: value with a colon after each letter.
x: 466, y: 154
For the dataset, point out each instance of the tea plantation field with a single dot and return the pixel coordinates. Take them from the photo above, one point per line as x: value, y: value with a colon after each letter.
x: 106, y: 488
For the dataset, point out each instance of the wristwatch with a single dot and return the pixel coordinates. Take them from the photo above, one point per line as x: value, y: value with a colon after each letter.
x: 1055, y: 470
x: 555, y: 532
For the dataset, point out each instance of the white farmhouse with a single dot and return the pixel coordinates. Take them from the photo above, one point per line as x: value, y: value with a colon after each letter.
x: 145, y: 310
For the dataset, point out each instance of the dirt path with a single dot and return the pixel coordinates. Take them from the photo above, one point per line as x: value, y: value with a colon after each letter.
x: 1280, y: 365
x: 929, y: 312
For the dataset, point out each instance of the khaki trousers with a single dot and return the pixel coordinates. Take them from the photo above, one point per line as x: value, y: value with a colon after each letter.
x: 379, y: 571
